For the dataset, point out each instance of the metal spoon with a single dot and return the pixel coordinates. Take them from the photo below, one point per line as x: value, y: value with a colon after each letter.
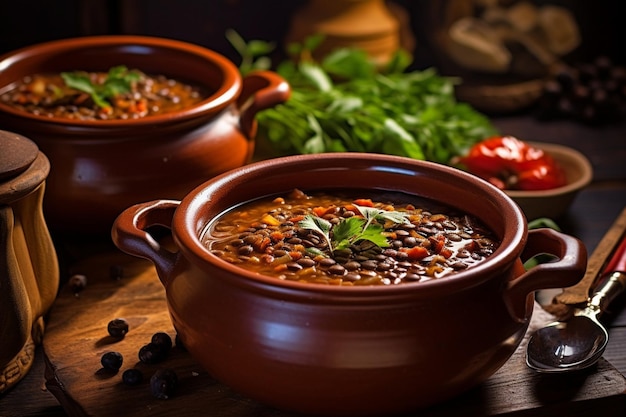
x: 579, y: 342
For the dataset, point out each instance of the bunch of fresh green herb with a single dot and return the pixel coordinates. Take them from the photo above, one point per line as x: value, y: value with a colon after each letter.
x: 353, y: 229
x: 118, y: 81
x: 348, y: 103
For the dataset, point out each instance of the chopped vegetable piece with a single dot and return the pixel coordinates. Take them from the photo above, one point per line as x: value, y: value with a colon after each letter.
x: 509, y: 163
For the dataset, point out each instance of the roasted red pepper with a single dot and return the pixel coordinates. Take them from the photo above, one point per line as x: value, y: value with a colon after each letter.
x: 511, y: 164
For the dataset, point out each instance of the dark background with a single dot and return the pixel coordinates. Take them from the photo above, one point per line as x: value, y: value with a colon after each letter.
x: 25, y: 22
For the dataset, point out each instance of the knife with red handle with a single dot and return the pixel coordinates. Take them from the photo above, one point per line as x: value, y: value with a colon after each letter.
x: 600, y: 261
x: 612, y: 281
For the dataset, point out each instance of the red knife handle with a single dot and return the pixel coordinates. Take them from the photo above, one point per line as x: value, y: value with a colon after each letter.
x: 617, y: 261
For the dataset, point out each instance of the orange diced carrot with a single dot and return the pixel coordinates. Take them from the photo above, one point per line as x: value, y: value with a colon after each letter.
x: 142, y: 106
x: 438, y: 242
x: 265, y: 242
x: 295, y: 255
x: 445, y: 252
x: 365, y: 202
x: 319, y: 211
x: 471, y: 246
x: 416, y: 253
x: 270, y: 220
x: 277, y: 236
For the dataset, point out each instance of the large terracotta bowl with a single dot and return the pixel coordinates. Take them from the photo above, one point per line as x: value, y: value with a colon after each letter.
x: 99, y: 168
x: 333, y: 350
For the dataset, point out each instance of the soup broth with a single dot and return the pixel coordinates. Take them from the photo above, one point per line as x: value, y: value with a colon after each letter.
x: 47, y: 94
x: 342, y: 239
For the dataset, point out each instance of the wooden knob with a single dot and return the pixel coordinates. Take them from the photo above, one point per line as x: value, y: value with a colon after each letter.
x: 17, y: 153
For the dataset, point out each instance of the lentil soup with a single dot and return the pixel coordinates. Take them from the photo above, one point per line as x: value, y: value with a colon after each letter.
x: 339, y: 239
x: 50, y: 95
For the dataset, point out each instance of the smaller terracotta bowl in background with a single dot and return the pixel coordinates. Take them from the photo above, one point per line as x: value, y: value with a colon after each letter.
x: 100, y: 167
x: 554, y: 203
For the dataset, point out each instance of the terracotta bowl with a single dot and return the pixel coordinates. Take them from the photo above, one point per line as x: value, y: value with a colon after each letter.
x: 554, y: 203
x: 100, y: 167
x: 333, y: 350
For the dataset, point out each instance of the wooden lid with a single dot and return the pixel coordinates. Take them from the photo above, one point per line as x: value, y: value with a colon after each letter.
x: 18, y: 153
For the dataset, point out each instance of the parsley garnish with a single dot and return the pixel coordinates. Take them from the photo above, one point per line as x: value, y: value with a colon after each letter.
x: 346, y: 102
x: 118, y: 81
x: 353, y: 229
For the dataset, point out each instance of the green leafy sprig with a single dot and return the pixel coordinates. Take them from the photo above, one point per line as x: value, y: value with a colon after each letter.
x: 346, y: 102
x: 353, y: 229
x: 118, y: 81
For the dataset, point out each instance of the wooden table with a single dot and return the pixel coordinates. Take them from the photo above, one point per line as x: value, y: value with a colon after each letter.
x: 589, y: 218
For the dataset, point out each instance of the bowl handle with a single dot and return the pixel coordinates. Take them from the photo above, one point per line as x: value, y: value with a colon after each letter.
x: 129, y: 233
x: 567, y: 270
x: 261, y: 90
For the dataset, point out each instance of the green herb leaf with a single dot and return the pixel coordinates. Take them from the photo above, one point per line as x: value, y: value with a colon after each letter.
x: 319, y: 225
x: 118, y: 81
x: 251, y: 53
x: 374, y: 233
x: 543, y: 222
x: 353, y: 229
x: 349, y: 64
x: 373, y: 213
x: 346, y: 232
x: 79, y: 81
x: 318, y: 78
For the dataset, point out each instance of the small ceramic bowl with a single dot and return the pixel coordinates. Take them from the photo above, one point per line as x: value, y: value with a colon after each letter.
x: 100, y: 167
x: 348, y: 350
x: 554, y: 203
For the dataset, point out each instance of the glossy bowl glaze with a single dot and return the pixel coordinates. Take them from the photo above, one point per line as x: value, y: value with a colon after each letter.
x: 335, y: 350
x: 554, y: 203
x: 99, y: 168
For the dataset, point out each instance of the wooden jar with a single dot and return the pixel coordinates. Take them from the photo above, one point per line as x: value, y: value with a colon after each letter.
x: 29, y: 271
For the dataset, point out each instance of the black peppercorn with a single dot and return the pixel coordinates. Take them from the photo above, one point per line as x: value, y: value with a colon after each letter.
x: 118, y: 328
x: 112, y: 361
x: 593, y: 93
x: 152, y: 353
x: 163, y: 383
x: 77, y: 282
x: 163, y: 340
x: 132, y: 377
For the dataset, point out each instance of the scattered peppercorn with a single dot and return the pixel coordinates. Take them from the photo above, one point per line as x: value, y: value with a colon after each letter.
x: 77, y: 282
x: 593, y: 93
x: 112, y: 361
x: 163, y: 340
x: 118, y: 328
x: 152, y: 353
x: 163, y: 383
x: 132, y: 377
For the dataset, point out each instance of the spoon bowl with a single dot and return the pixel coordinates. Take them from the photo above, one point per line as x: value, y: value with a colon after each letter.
x: 578, y: 343
x: 567, y: 346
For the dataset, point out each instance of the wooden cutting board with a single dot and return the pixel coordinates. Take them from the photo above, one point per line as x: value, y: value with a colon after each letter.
x: 76, y: 337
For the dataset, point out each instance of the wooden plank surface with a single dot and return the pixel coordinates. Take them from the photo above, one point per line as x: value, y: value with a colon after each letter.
x: 76, y: 337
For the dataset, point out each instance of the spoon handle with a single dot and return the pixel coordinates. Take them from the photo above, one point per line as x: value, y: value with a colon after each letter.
x: 613, y: 279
